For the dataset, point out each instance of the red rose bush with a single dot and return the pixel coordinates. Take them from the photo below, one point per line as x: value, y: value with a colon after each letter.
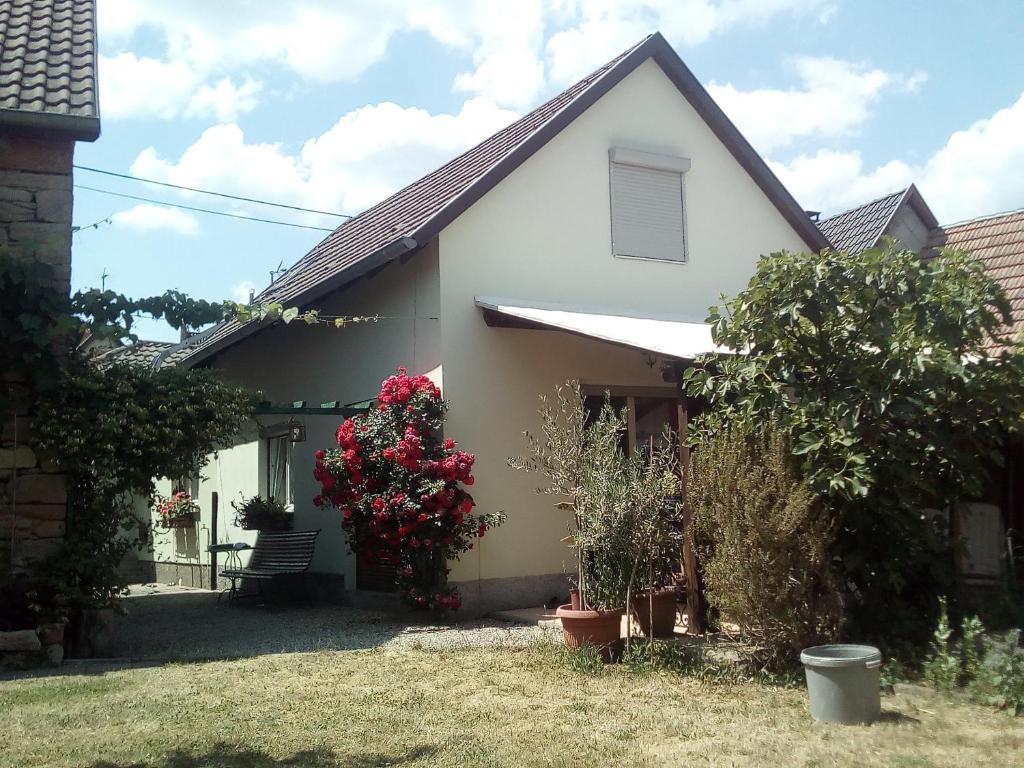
x: 400, y: 488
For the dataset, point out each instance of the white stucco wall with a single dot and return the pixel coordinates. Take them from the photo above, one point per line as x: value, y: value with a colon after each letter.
x: 317, y: 364
x: 543, y: 234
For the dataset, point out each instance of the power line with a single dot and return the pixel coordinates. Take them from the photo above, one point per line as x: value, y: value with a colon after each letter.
x: 208, y: 192
x: 201, y: 210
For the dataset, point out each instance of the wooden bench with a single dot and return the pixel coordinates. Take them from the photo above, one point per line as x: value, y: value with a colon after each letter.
x: 276, y: 555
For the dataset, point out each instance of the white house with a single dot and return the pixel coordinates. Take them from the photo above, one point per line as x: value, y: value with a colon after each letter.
x: 585, y: 241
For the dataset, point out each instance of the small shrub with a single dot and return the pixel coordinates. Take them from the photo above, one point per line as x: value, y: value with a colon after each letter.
x: 989, y: 668
x: 942, y: 667
x: 1000, y: 678
x: 763, y: 540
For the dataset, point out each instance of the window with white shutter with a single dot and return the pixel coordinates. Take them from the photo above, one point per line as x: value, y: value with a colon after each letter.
x: 648, y: 205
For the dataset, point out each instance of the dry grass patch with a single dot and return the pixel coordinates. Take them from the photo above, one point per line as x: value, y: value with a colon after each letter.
x: 467, y: 707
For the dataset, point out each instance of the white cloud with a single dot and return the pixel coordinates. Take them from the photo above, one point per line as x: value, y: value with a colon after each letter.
x: 834, y: 99
x: 134, y: 87
x: 240, y: 291
x: 326, y: 41
x: 368, y: 154
x: 979, y: 170
x: 154, y: 218
x: 832, y: 181
x: 599, y: 29
x: 225, y: 101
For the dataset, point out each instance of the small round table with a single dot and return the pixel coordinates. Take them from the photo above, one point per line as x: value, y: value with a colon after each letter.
x: 233, y: 562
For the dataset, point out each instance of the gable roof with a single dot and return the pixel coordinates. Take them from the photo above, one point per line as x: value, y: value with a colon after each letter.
x: 999, y: 242
x: 413, y: 216
x: 48, y: 66
x: 862, y: 227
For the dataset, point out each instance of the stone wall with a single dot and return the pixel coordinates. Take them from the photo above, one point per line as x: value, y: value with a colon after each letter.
x: 35, y: 222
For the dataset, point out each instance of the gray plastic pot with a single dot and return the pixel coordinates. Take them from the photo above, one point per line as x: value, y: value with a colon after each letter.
x: 843, y: 684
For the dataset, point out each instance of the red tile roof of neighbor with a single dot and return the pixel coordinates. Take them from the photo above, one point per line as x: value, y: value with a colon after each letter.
x: 48, y: 66
x: 997, y: 240
x: 413, y: 216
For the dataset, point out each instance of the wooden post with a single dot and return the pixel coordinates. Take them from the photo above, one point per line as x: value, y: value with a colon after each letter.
x: 695, y: 607
x: 213, y: 539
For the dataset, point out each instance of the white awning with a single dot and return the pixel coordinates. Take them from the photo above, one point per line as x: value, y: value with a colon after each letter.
x: 672, y: 338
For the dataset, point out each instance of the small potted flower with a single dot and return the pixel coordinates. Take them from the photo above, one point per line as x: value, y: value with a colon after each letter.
x: 178, y: 511
x: 259, y: 514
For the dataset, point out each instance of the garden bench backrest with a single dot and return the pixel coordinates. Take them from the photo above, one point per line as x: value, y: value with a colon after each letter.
x: 289, y: 551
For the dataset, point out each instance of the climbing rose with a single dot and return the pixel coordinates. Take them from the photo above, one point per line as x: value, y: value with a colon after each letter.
x: 398, y: 485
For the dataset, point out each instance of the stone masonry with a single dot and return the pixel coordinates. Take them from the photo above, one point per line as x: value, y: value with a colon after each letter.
x: 35, y: 222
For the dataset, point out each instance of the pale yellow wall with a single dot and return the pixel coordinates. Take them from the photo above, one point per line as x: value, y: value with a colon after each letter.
x: 543, y: 234
x: 319, y: 364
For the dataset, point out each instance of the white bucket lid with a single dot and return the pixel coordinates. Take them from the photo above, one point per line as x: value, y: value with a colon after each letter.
x: 841, y: 656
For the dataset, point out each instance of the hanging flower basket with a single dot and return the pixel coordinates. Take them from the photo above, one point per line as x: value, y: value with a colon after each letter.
x: 179, y: 511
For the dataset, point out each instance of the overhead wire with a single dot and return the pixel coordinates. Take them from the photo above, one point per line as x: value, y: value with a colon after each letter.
x: 201, y: 210
x: 131, y: 177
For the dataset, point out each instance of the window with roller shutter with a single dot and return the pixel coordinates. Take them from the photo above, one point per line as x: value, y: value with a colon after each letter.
x: 648, y: 211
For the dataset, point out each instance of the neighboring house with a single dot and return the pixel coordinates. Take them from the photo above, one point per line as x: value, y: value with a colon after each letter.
x: 902, y: 215
x: 585, y: 241
x: 993, y: 527
x: 48, y: 102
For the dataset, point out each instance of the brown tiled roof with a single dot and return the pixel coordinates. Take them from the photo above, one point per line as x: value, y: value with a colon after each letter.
x: 998, y: 241
x: 861, y: 227
x: 413, y: 216
x: 48, y: 65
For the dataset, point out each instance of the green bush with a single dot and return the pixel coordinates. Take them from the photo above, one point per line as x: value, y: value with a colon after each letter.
x: 1000, y: 677
x: 763, y: 541
x: 989, y: 667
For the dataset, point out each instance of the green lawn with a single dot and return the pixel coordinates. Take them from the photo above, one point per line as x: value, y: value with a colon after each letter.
x: 464, y: 707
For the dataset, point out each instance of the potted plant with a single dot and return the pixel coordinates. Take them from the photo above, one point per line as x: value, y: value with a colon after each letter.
x: 625, y: 520
x: 179, y: 511
x: 259, y: 514
x: 584, y: 466
x: 659, y: 541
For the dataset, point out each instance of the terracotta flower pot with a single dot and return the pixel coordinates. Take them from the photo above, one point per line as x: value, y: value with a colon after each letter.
x: 600, y: 629
x: 664, y: 619
x: 185, y: 521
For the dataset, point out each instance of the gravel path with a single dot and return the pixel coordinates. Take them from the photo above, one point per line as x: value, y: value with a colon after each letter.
x: 176, y: 623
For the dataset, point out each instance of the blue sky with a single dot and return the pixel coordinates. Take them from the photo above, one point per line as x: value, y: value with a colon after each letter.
x: 333, y: 105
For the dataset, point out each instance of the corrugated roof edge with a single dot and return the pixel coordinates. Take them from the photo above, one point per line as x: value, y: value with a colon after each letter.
x: 655, y: 47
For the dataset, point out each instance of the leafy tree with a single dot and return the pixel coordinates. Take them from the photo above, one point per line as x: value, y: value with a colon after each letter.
x: 892, y: 377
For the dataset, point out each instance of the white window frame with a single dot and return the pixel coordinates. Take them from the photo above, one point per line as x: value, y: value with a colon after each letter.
x: 286, y: 445
x: 668, y: 163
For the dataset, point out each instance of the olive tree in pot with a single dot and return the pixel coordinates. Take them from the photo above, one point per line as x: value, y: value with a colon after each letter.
x: 657, y: 521
x: 612, y: 501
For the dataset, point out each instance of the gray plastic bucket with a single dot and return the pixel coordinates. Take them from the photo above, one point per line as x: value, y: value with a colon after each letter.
x: 843, y: 684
